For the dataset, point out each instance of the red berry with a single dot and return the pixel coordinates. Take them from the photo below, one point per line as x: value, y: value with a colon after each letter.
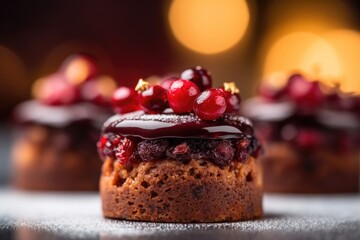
x: 181, y: 95
x: 297, y: 86
x: 232, y: 97
x: 98, y: 91
x: 153, y: 99
x: 198, y: 75
x: 107, y: 145
x: 166, y: 82
x: 270, y: 93
x: 125, y: 151
x: 124, y: 100
x: 307, y: 95
x: 210, y: 104
x: 54, y: 90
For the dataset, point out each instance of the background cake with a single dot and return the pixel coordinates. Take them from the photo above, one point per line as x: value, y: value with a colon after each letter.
x: 311, y: 134
x: 56, y: 134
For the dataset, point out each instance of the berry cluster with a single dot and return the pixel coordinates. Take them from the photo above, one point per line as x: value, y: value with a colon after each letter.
x: 310, y: 95
x: 130, y: 150
x: 192, y: 92
x: 75, y: 81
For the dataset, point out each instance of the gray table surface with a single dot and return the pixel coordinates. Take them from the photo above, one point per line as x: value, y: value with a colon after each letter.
x: 27, y: 215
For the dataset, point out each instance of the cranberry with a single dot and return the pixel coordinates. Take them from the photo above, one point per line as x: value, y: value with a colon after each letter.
x: 79, y: 68
x: 308, y: 138
x: 153, y: 99
x: 165, y: 83
x: 181, y: 95
x: 101, y: 144
x: 307, y: 95
x: 198, y: 75
x: 210, y: 104
x: 107, y: 144
x: 152, y: 149
x: 124, y: 100
x: 223, y: 153
x: 54, y: 90
x: 270, y: 93
x: 125, y: 150
x: 98, y: 90
x: 232, y: 97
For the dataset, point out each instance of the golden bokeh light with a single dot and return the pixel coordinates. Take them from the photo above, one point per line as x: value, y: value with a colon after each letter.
x: 77, y: 70
x: 209, y: 26
x: 285, y: 54
x: 347, y: 46
x: 106, y: 85
x: 332, y: 58
x: 320, y: 62
x: 303, y: 52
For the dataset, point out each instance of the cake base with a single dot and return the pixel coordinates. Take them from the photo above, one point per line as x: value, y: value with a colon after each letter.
x: 171, y: 191
x: 289, y: 170
x: 39, y: 164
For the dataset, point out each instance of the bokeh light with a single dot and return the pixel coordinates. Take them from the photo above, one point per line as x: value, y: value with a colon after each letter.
x: 209, y: 26
x: 332, y: 58
x: 285, y: 54
x: 347, y: 46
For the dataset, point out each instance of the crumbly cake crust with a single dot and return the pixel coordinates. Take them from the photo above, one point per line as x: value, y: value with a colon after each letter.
x: 171, y: 191
x: 289, y: 170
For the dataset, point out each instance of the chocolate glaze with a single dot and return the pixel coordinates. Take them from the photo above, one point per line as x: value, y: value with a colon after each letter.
x: 169, y: 125
x: 34, y: 112
x: 258, y: 109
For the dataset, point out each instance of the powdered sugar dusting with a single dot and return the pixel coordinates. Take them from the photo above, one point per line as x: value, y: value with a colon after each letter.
x: 79, y: 216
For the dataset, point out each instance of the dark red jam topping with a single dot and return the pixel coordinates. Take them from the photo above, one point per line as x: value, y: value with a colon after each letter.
x: 169, y: 125
x: 131, y: 150
x: 135, y: 137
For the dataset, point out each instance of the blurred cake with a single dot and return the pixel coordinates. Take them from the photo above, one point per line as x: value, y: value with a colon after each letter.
x: 311, y: 137
x: 193, y: 162
x: 56, y: 133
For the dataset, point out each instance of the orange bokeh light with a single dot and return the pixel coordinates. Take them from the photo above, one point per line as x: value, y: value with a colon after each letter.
x: 209, y: 26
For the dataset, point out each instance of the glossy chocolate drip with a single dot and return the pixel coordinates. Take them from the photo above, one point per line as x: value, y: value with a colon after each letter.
x: 168, y: 125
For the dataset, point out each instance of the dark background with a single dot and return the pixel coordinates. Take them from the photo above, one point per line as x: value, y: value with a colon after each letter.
x: 131, y: 39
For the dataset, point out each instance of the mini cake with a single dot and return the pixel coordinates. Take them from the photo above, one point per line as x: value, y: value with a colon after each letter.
x: 56, y: 134
x: 311, y: 137
x: 192, y: 162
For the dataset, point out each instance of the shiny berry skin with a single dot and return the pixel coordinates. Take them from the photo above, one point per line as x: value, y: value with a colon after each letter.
x: 153, y: 99
x: 181, y: 95
x: 198, y: 75
x: 124, y: 100
x: 233, y: 101
x: 56, y: 91
x: 166, y: 82
x: 210, y: 104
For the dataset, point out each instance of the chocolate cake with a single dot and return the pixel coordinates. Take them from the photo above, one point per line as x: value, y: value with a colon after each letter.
x: 175, y: 165
x: 56, y: 134
x: 311, y: 137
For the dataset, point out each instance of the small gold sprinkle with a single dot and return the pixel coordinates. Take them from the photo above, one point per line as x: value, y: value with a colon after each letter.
x: 231, y: 87
x: 141, y: 85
